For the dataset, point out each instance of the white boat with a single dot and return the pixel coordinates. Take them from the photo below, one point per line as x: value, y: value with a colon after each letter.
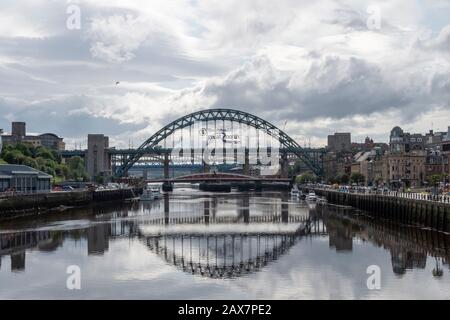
x: 295, y: 192
x: 151, y: 192
x: 311, y: 196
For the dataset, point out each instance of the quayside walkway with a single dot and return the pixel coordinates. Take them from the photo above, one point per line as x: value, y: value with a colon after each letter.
x: 409, y: 208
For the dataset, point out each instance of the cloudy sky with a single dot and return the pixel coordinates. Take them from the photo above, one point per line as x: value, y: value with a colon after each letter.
x: 323, y: 66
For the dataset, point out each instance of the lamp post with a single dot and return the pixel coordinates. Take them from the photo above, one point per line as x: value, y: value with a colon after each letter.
x: 1, y: 142
x: 443, y: 169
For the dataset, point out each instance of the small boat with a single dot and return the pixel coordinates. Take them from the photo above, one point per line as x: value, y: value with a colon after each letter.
x: 295, y: 192
x: 311, y: 196
x: 151, y: 192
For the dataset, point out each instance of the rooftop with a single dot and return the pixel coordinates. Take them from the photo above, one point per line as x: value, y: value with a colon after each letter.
x: 10, y: 169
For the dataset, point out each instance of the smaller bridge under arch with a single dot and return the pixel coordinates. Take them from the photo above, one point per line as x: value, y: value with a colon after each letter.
x: 220, y: 177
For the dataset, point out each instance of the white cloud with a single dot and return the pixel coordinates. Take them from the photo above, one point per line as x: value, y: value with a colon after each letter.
x: 116, y: 38
x: 313, y: 63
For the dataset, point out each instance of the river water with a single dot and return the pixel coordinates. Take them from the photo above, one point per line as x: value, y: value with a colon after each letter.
x: 196, y: 245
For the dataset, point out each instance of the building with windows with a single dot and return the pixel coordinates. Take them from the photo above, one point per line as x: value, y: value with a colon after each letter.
x: 370, y: 164
x: 52, y: 141
x: 407, y: 169
x: 340, y: 142
x: 23, y: 179
x: 19, y: 135
x: 336, y: 166
x: 401, y: 141
x: 406, y: 159
x: 437, y: 163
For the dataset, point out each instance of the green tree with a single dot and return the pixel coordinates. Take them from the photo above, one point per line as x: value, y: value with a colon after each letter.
x: 296, y: 168
x: 357, y: 178
x: 344, y: 179
x: 77, y: 170
x: 45, y: 160
x: 306, y: 177
x: 45, y: 153
x: 30, y: 162
x: 100, y: 179
x: 25, y: 149
x: 434, y: 179
x: 378, y: 181
x: 333, y: 180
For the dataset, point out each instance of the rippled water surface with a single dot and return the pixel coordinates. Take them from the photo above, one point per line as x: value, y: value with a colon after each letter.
x: 194, y: 245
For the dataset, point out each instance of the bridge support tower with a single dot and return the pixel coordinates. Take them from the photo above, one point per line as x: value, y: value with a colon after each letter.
x: 284, y: 166
x: 246, y: 166
x: 166, y: 166
x: 206, y: 167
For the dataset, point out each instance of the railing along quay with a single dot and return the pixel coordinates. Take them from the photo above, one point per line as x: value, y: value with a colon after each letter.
x: 415, y: 196
x: 409, y: 208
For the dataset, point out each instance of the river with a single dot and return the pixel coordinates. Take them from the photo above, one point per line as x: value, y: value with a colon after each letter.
x: 196, y: 245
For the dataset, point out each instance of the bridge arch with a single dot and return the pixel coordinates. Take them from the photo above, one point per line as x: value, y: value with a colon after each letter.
x: 218, y: 115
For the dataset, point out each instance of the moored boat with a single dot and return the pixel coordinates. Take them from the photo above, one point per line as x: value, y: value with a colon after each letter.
x: 311, y: 196
x: 151, y: 192
x: 295, y: 192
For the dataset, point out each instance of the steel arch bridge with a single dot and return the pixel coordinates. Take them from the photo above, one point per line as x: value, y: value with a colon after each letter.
x: 231, y: 115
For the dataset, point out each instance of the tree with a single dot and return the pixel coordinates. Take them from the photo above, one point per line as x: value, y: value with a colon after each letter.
x: 25, y: 149
x: 100, y: 179
x: 378, y: 181
x: 42, y: 152
x: 434, y: 179
x: 45, y: 160
x: 344, y: 179
x: 306, y: 177
x: 333, y: 180
x: 357, y: 178
x: 296, y: 168
x: 77, y: 169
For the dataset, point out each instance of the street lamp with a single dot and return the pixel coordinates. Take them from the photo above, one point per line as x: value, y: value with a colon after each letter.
x: 443, y: 169
x: 1, y: 142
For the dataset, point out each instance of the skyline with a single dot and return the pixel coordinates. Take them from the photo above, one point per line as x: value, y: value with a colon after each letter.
x: 78, y: 145
x: 317, y: 65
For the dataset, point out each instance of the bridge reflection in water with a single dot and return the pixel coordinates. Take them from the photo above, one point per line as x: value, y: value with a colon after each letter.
x: 229, y: 236
x: 230, y: 244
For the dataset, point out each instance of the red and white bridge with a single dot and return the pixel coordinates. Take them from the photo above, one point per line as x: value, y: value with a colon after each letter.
x: 221, y: 177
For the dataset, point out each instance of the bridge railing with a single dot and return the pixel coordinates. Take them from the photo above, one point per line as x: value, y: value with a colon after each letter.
x: 398, y: 194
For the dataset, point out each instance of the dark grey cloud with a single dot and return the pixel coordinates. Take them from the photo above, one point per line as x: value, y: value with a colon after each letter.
x: 333, y: 87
